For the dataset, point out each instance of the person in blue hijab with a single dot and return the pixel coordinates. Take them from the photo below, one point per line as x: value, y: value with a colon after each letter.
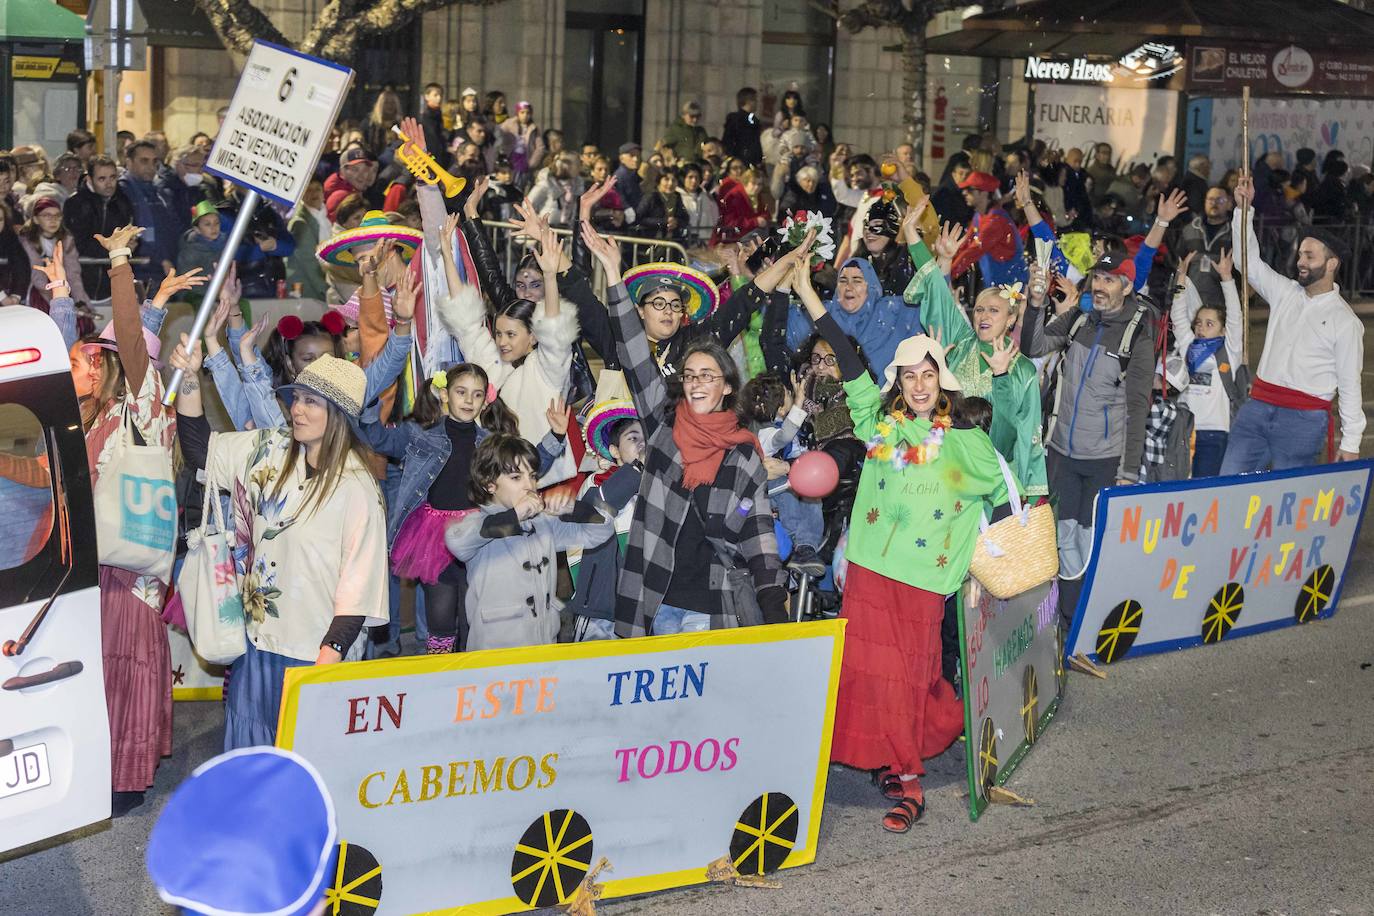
x: 861, y: 310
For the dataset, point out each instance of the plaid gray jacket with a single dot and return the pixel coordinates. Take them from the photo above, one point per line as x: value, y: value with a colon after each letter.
x: 738, y: 517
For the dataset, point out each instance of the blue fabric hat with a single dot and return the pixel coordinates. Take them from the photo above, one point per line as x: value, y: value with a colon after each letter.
x: 250, y: 833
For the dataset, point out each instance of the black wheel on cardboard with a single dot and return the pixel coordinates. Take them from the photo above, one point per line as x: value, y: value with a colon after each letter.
x: 1030, y: 705
x: 987, y: 757
x: 1222, y: 612
x: 765, y: 834
x: 1119, y: 630
x: 356, y: 889
x: 1315, y: 594
x: 552, y: 857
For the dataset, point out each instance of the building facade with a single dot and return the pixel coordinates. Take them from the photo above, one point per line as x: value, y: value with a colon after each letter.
x: 604, y: 71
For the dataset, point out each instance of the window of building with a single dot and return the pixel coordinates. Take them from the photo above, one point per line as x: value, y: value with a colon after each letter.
x: 798, y: 54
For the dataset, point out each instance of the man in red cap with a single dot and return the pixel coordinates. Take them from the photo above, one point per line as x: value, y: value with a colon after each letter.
x: 357, y: 174
x: 1098, y: 436
x: 992, y: 241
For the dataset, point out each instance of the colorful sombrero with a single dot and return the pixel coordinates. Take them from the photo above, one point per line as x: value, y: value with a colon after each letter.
x: 600, y: 419
x: 342, y: 248
x: 698, y: 292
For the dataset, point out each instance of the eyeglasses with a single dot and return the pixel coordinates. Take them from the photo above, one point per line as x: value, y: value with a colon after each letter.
x: 705, y: 378
x: 675, y: 306
x: 818, y: 359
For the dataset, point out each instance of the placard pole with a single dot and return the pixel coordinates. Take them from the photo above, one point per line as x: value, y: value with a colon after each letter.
x: 207, y: 305
x: 1245, y: 227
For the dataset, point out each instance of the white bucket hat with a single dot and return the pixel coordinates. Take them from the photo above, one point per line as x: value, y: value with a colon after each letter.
x: 913, y: 351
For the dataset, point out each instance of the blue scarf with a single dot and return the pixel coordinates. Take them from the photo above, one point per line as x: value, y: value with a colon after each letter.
x: 1200, y: 349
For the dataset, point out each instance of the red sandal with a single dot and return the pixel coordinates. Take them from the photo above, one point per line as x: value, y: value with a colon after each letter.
x: 891, y: 785
x: 905, y: 813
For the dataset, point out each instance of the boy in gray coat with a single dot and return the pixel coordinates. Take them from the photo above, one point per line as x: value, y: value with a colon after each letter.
x: 510, y: 546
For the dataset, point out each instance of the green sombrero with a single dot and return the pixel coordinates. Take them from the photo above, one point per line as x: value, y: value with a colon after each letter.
x: 699, y: 294
x: 342, y: 248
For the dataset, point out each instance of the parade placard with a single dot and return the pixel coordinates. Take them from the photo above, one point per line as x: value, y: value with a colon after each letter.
x: 1192, y: 562
x: 494, y: 781
x: 1014, y: 676
x: 278, y: 121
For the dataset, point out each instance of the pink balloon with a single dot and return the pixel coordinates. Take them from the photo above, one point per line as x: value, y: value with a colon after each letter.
x: 814, y: 475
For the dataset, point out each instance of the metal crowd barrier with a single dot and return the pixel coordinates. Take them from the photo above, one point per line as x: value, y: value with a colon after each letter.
x: 1279, y: 248
x: 634, y: 250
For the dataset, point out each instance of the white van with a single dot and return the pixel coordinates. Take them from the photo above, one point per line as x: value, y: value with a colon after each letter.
x: 54, y: 730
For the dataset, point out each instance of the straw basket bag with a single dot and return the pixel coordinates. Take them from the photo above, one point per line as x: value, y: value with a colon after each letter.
x: 1018, y: 553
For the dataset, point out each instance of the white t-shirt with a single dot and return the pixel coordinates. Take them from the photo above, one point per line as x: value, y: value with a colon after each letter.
x: 1206, y: 395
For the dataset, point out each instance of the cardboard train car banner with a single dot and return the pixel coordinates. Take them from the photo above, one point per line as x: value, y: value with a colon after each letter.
x: 1013, y: 656
x: 494, y: 781
x: 1193, y: 562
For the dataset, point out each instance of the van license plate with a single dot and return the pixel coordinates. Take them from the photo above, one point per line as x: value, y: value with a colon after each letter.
x: 24, y: 769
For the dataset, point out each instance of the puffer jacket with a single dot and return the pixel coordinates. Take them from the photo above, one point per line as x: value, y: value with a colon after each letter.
x: 1101, y: 414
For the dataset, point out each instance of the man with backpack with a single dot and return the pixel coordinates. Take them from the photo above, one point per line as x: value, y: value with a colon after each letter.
x: 1098, y: 437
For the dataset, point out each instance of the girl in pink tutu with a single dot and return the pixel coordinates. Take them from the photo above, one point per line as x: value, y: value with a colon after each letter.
x: 454, y: 412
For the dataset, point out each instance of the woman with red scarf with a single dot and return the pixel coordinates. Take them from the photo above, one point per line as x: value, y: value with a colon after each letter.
x: 703, y: 503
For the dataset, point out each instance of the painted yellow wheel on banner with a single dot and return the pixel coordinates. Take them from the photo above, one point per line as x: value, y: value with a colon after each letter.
x: 1222, y: 612
x: 1030, y: 705
x: 987, y: 757
x: 765, y: 834
x: 1119, y: 630
x: 357, y: 886
x: 552, y: 858
x: 1316, y: 594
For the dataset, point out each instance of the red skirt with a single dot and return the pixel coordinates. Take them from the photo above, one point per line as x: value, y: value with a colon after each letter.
x: 894, y: 707
x: 138, y: 681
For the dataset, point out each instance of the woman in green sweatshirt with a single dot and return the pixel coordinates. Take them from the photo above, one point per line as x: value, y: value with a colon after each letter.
x: 926, y: 478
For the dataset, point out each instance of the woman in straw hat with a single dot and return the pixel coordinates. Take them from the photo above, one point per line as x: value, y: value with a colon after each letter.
x: 927, y: 475
x: 310, y: 532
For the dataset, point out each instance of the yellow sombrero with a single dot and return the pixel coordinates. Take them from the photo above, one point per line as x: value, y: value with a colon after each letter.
x: 699, y: 294
x: 342, y: 248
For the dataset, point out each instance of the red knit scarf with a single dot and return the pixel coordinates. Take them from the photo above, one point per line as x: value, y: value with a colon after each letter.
x: 703, y: 439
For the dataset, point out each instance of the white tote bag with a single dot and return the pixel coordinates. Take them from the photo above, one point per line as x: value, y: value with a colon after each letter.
x: 136, y: 508
x: 209, y: 583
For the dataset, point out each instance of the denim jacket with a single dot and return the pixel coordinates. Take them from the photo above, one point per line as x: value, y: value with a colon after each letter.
x: 248, y: 394
x: 423, y: 454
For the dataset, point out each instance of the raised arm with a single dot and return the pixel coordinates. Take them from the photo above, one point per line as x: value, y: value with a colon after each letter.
x: 1268, y: 282
x: 940, y: 313
x: 642, y: 373
x: 556, y: 331
x: 463, y: 307
x: 62, y: 308
x: 1185, y: 305
x: 128, y: 323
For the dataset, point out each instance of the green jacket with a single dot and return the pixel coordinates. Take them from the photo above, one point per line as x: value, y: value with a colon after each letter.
x: 685, y: 140
x: 918, y: 524
x: 303, y: 266
x: 1015, y: 396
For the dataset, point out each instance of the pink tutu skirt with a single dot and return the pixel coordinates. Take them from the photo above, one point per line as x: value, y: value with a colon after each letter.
x: 419, y: 551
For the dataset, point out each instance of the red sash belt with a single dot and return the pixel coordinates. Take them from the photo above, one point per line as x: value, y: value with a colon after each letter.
x: 1286, y: 397
x: 1279, y: 396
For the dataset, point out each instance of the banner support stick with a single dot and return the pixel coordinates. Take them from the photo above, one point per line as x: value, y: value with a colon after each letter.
x: 207, y: 305
x: 1245, y: 227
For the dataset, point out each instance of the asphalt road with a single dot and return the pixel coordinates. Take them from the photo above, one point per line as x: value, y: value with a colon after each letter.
x: 1231, y: 779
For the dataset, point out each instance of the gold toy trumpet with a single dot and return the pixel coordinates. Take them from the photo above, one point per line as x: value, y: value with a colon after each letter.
x: 424, y: 167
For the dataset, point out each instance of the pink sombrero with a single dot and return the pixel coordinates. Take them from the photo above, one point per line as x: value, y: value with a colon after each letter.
x: 600, y: 419
x: 342, y: 248
x: 698, y: 292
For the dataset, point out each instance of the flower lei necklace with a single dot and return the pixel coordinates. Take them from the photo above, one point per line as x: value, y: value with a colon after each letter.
x: 926, y: 452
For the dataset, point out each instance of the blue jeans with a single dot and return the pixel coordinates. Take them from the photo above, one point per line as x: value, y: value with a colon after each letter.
x: 1265, y: 436
x: 801, y: 517
x: 1209, y: 452
x: 671, y: 619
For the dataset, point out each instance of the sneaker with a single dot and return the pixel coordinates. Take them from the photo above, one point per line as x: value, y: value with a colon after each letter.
x: 805, y: 560
x: 389, y: 649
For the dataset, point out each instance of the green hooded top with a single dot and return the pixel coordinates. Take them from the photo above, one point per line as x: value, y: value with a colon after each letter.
x: 1015, y: 396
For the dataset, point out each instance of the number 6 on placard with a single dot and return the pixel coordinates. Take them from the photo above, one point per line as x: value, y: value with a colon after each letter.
x: 288, y: 82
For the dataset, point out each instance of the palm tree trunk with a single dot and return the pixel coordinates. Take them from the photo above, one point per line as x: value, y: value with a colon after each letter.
x: 914, y: 86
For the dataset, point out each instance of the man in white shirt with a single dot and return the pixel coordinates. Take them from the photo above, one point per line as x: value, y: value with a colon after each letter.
x: 1313, y: 351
